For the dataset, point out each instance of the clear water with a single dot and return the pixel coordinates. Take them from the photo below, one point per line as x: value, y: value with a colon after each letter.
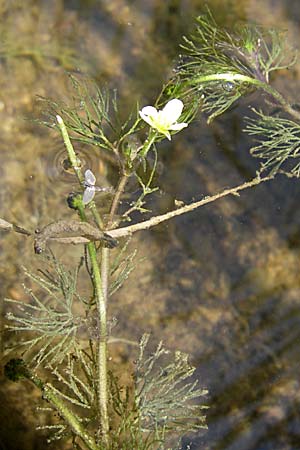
x: 221, y: 283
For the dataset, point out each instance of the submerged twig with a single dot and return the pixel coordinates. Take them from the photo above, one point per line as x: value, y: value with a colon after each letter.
x: 87, y: 233
x: 7, y: 226
x: 125, y: 231
x: 83, y: 229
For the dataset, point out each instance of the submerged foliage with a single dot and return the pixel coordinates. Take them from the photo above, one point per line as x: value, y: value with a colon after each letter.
x: 249, y: 50
x: 164, y: 397
x: 218, y: 67
x: 92, y: 118
x: 49, y: 319
x: 278, y: 142
x: 161, y: 399
x: 75, y: 384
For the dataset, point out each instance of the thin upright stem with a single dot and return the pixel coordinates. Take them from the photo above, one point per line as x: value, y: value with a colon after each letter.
x: 117, y: 198
x: 75, y: 162
x: 101, y: 346
x: 102, y: 396
x: 105, y: 265
x: 148, y: 143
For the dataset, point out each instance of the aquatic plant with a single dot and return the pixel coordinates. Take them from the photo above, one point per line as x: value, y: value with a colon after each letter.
x: 164, y: 398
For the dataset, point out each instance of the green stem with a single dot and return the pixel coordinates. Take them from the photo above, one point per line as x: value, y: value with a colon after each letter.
x: 101, y: 346
x: 232, y: 77
x: 105, y: 272
x: 78, y: 429
x: 100, y: 286
x: 60, y: 406
x: 102, y: 397
x: 96, y: 215
x: 148, y: 143
x: 76, y: 163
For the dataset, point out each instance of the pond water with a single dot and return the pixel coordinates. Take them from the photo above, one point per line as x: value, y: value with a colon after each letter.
x: 221, y: 283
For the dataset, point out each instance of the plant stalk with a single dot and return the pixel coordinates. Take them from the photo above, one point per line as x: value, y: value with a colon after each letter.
x: 101, y: 344
x: 102, y: 385
x: 116, y: 200
x: 232, y: 77
x: 66, y: 413
x: 148, y: 143
x: 75, y: 162
x: 50, y: 395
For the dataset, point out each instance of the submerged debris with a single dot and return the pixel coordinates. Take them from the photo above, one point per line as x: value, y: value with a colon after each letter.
x: 69, y: 228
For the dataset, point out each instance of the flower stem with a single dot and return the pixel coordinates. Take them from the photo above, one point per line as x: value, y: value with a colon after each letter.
x: 148, y: 143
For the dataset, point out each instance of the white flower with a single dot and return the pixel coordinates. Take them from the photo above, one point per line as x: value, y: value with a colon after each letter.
x: 166, y: 119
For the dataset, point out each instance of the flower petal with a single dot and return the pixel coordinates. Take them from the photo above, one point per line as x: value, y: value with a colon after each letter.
x: 178, y: 126
x: 146, y: 119
x: 172, y: 111
x: 149, y: 111
x: 149, y: 114
x: 167, y: 134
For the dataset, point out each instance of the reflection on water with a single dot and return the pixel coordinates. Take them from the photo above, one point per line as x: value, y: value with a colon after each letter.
x: 223, y: 281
